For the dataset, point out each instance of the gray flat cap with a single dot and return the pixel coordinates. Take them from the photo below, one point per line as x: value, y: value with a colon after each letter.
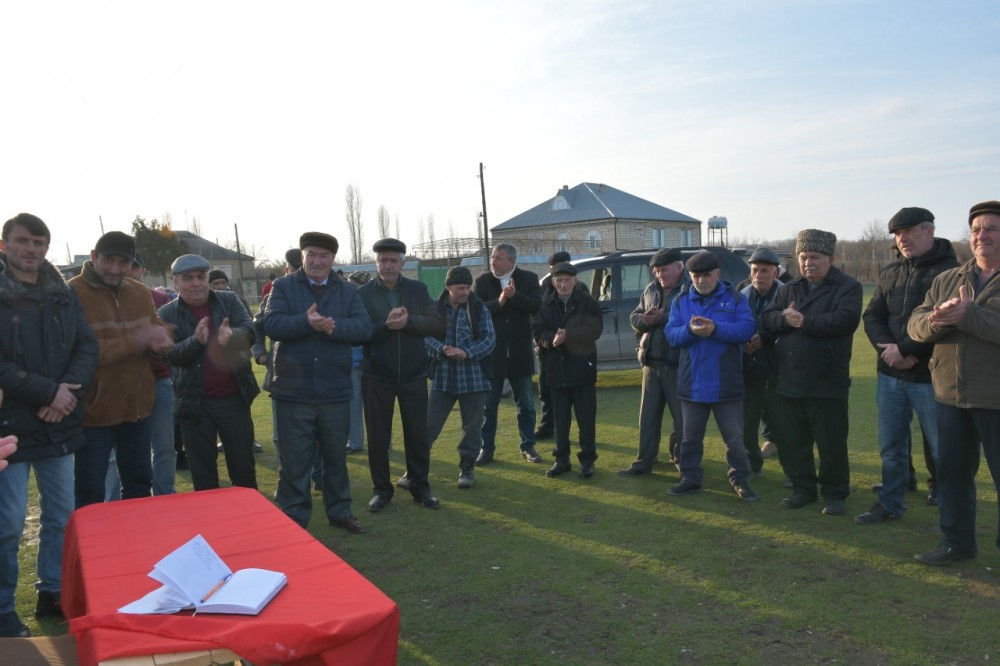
x: 189, y: 262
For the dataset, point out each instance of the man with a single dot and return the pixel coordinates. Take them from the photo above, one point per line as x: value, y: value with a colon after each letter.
x: 961, y: 317
x: 814, y: 318
x: 709, y: 322
x: 313, y: 318
x: 215, y: 384
x: 512, y: 296
x: 121, y: 395
x: 395, y: 368
x: 658, y: 360
x: 460, y: 374
x: 566, y: 328
x: 760, y: 363
x: 219, y: 281
x: 545, y: 428
x: 47, y: 356
x: 904, y: 379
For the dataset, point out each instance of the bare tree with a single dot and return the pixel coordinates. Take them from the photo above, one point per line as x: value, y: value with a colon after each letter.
x: 383, y: 222
x: 397, y: 227
x: 422, y: 231
x: 352, y: 201
x: 196, y: 226
x: 432, y: 236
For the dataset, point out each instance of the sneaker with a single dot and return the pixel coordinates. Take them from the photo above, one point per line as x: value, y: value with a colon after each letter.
x: 796, y: 501
x: 876, y: 514
x: 531, y: 455
x: 403, y: 482
x: 12, y: 627
x: 746, y: 493
x: 833, y: 507
x: 941, y: 556
x: 49, y: 605
x: 685, y: 487
x: 769, y: 449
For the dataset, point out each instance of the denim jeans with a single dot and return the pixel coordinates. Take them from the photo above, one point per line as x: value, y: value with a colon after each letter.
x: 356, y: 441
x: 897, y: 400
x: 54, y: 478
x: 470, y: 405
x: 729, y: 417
x: 303, y: 428
x: 961, y: 432
x: 131, y: 444
x: 524, y: 401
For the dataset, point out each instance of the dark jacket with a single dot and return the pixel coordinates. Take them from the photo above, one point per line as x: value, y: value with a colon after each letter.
x: 902, y: 286
x: 513, y: 356
x: 399, y: 355
x: 651, y: 344
x: 574, y: 362
x: 69, y: 355
x: 815, y: 361
x: 711, y: 368
x: 188, y: 354
x: 310, y: 366
x: 761, y: 368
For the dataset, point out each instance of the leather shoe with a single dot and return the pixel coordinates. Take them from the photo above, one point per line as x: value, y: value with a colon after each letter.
x: 941, y: 556
x: 586, y: 470
x: 558, y: 468
x: 632, y: 470
x: 351, y: 524
x: 49, y: 605
x: 833, y: 507
x: 427, y: 501
x: 378, y: 502
x: 796, y: 501
x: 531, y: 455
x: 484, y: 457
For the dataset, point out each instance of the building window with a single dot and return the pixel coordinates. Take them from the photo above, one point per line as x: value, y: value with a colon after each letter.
x: 562, y: 243
x: 687, y: 237
x: 659, y: 238
x: 592, y: 241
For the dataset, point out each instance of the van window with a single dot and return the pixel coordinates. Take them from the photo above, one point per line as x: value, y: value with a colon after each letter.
x: 594, y: 279
x: 635, y: 277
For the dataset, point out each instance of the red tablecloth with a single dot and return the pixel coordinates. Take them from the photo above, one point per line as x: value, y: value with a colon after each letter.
x: 328, y: 613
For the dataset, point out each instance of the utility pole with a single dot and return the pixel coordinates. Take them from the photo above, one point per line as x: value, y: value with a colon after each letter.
x: 239, y: 261
x: 486, y: 226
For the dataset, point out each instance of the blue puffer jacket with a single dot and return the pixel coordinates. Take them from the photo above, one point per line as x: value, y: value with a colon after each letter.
x: 310, y: 366
x: 711, y: 369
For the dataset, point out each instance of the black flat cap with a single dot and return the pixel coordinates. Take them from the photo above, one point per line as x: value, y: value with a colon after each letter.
x: 318, y: 239
x: 217, y: 274
x: 764, y: 255
x: 116, y: 244
x: 563, y: 268
x: 703, y: 262
x: 389, y: 245
x: 665, y: 256
x: 559, y: 257
x: 909, y: 217
x: 992, y: 207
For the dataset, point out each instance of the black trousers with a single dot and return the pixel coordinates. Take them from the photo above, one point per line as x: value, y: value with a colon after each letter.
x: 583, y: 401
x: 823, y: 422
x: 380, y: 398
x: 229, y: 419
x: 761, y: 402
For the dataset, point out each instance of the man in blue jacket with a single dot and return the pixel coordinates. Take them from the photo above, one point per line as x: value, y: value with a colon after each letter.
x: 710, y: 322
x: 314, y: 317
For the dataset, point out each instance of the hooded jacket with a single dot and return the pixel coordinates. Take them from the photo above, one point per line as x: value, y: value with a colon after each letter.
x: 29, y: 381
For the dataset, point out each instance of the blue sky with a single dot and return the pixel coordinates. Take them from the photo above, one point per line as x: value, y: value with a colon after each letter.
x: 778, y: 115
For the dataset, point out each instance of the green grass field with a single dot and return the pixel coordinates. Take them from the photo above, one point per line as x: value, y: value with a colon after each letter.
x: 523, y: 569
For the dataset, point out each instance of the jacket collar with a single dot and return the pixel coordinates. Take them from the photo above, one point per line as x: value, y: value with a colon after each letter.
x: 49, y: 279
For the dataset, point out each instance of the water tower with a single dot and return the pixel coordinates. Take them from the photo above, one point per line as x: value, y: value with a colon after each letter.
x: 718, y: 230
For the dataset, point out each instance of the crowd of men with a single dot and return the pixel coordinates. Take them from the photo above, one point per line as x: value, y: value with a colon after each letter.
x: 88, y: 368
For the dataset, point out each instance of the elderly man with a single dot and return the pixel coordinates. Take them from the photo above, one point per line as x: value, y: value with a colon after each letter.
x: 760, y: 364
x: 709, y: 323
x: 512, y: 296
x: 961, y: 317
x: 47, y: 356
x: 122, y: 392
x: 314, y: 317
x: 566, y: 328
x: 545, y: 428
x: 904, y: 379
x: 659, y: 360
x: 814, y: 318
x: 215, y: 385
x: 395, y: 368
x: 461, y: 360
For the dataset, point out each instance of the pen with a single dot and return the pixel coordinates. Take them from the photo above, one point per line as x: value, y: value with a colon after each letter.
x: 208, y: 595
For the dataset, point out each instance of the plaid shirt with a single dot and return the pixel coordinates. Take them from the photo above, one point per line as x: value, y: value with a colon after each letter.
x: 458, y: 377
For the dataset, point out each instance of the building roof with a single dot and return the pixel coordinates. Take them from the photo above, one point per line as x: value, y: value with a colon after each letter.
x: 592, y: 202
x: 208, y: 249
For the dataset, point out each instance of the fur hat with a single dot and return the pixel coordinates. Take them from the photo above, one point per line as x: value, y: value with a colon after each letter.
x: 815, y: 240
x: 909, y: 217
x: 318, y: 239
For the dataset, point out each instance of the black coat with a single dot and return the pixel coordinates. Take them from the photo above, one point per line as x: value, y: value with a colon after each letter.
x: 68, y: 356
x: 902, y: 286
x: 574, y: 362
x: 400, y: 355
x: 514, y: 355
x: 815, y: 361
